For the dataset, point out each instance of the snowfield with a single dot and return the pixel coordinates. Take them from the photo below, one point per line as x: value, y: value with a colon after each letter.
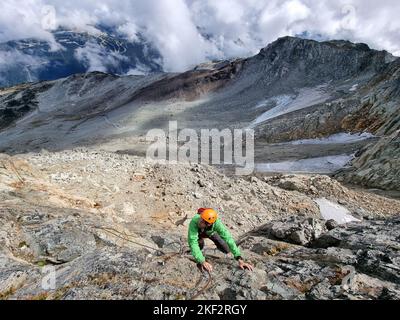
x: 285, y: 103
x: 343, y: 137
x: 326, y: 165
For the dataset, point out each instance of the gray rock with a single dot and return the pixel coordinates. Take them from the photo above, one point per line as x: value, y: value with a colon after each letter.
x: 321, y: 291
x: 295, y: 229
x: 374, y: 241
x: 160, y: 241
x: 277, y: 289
x: 298, y: 237
x: 201, y: 183
x: 331, y: 224
x: 197, y: 195
x: 389, y: 294
x: 227, y: 197
x: 60, y: 241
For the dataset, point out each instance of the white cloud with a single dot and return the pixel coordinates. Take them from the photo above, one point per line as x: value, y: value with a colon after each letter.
x: 187, y: 32
x: 283, y: 18
x: 21, y: 21
x: 130, y: 30
x: 96, y: 58
x: 14, y: 58
x: 168, y: 24
x: 140, y: 70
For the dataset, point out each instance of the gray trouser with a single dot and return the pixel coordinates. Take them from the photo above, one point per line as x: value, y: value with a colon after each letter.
x: 218, y: 241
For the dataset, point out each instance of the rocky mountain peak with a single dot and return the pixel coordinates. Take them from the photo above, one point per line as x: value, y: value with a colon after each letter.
x: 321, y: 59
x: 290, y: 43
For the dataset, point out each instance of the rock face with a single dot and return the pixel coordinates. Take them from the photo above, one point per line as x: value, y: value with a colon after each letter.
x: 354, y: 258
x: 375, y: 244
x: 132, y: 244
x: 342, y: 112
x: 321, y: 120
x: 312, y: 62
x: 377, y: 166
x: 345, y: 269
x: 379, y: 107
x: 293, y: 230
x: 371, y: 108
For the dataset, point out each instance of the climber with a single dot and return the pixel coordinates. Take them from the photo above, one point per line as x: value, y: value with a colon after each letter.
x: 205, y: 224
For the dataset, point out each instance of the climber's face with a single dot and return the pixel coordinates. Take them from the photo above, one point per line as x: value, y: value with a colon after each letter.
x: 204, y: 224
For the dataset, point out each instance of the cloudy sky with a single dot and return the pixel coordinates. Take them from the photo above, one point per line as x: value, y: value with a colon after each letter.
x: 188, y: 32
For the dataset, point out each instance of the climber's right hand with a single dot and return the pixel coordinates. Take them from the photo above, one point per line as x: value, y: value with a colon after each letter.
x: 206, y: 266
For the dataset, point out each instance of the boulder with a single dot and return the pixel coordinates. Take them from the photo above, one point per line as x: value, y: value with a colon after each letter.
x: 59, y: 241
x: 294, y: 229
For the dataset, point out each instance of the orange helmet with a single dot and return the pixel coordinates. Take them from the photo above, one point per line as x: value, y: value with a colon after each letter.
x: 209, y: 215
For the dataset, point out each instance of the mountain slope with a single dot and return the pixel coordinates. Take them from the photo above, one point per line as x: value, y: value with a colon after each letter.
x: 114, y: 227
x: 293, y: 89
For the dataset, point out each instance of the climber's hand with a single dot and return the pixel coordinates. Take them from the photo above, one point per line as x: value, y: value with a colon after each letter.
x: 243, y: 265
x: 206, y: 266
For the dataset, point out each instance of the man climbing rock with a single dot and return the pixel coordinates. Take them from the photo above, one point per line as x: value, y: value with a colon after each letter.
x: 206, y: 224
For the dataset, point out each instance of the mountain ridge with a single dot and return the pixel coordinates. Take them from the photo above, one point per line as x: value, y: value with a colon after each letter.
x: 293, y: 89
x: 78, y: 195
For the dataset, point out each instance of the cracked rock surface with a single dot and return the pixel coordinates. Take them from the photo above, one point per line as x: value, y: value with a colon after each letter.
x: 114, y: 227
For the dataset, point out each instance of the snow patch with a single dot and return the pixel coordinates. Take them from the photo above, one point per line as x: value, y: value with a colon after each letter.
x: 333, y: 211
x: 286, y: 103
x: 343, y: 137
x: 326, y: 164
x: 282, y: 100
x: 354, y: 88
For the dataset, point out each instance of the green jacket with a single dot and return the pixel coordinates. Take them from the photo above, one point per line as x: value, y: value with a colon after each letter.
x: 218, y: 227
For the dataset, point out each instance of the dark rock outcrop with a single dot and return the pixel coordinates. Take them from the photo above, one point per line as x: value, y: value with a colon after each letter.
x: 375, y: 244
x: 294, y: 229
x: 312, y: 63
x: 378, y: 166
